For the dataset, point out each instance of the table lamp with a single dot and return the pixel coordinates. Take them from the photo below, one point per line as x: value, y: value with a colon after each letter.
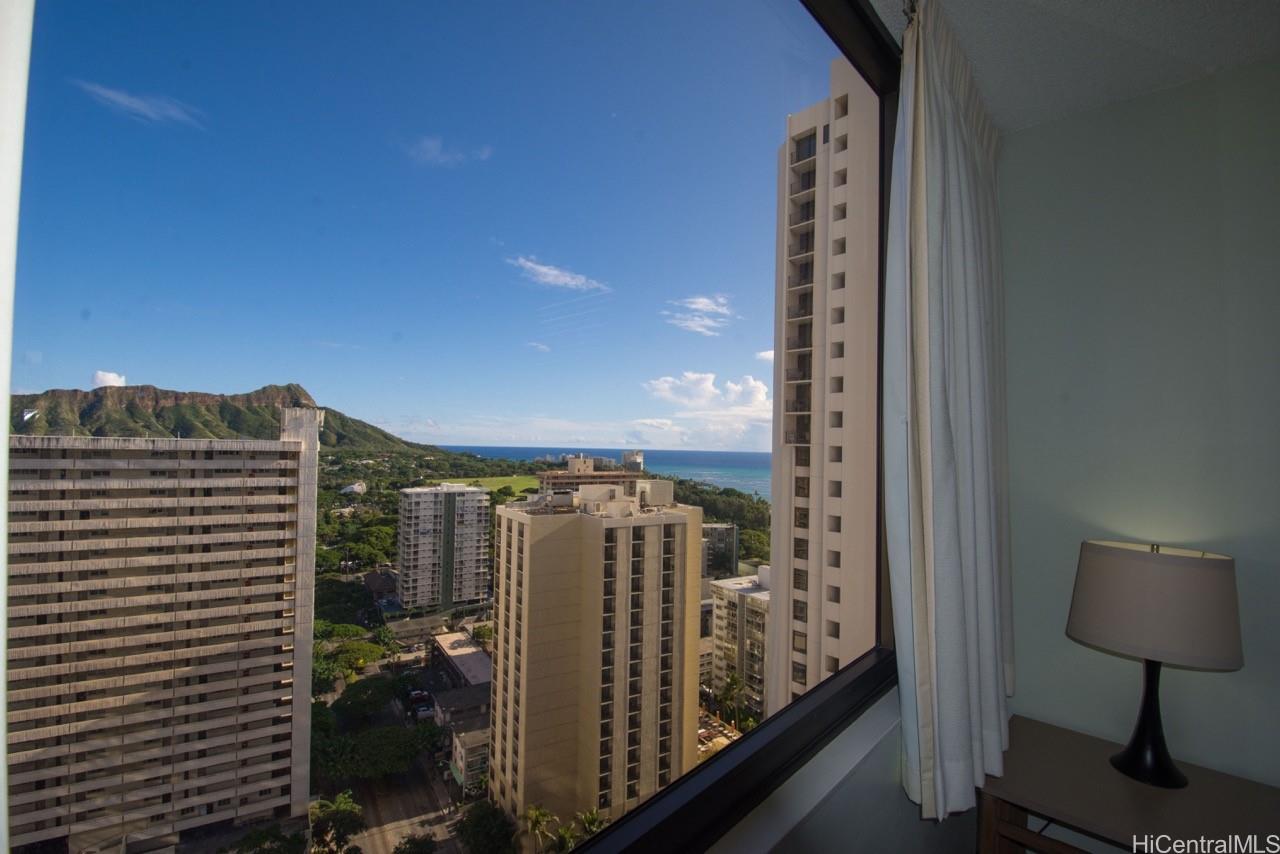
x: 1164, y: 606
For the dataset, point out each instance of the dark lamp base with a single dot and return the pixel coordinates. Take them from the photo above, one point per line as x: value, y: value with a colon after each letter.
x: 1146, y: 758
x: 1150, y: 768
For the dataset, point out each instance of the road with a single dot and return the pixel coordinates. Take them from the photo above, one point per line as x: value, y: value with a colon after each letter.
x: 396, y: 807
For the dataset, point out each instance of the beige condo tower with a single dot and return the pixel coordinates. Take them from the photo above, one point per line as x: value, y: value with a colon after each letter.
x: 595, y: 668
x: 825, y: 344
x: 159, y: 638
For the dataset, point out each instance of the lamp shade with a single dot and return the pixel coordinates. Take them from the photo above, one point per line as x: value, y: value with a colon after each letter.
x: 1171, y: 605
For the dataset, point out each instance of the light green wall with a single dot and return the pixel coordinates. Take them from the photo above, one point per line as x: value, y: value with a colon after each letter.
x: 1142, y: 274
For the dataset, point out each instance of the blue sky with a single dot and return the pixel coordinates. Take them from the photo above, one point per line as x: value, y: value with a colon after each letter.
x: 510, y: 224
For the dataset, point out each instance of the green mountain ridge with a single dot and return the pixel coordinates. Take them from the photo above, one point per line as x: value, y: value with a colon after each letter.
x: 145, y: 410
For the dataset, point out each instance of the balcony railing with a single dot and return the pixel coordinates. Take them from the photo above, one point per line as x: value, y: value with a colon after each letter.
x: 801, y: 343
x: 797, y: 312
x: 798, y: 405
x: 798, y: 374
x: 799, y: 281
x: 804, y: 148
x: 801, y: 216
x: 800, y: 247
x: 797, y: 437
x: 807, y: 182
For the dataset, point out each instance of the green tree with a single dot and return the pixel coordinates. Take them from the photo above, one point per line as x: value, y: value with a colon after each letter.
x: 327, y: 560
x: 324, y: 672
x: 385, y: 638
x: 381, y: 540
x: 753, y: 545
x: 482, y: 632
x: 333, y: 823
x: 269, y: 840
x: 731, y: 695
x: 363, y: 700
x: 486, y: 829
x: 567, y: 837
x: 341, y: 601
x: 354, y: 656
x: 591, y: 821
x: 537, y: 824
x: 415, y: 844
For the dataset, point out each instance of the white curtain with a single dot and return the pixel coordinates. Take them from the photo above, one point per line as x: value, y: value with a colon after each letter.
x: 944, y: 428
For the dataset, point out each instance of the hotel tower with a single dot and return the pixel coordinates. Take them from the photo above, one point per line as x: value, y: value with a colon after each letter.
x: 822, y: 614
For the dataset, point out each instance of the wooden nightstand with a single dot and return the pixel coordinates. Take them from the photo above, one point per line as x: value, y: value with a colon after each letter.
x: 1067, y: 778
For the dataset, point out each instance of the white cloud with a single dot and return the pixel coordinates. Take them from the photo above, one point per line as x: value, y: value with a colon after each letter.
x: 691, y: 389
x: 704, y: 315
x: 700, y: 323
x: 711, y: 414
x: 556, y: 277
x: 539, y: 346
x: 692, y: 410
x: 656, y: 423
x: 765, y: 355
x: 101, y: 378
x: 157, y: 109
x: 431, y: 151
x: 717, y: 304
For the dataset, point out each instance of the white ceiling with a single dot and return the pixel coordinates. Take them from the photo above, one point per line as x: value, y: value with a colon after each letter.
x: 1038, y: 60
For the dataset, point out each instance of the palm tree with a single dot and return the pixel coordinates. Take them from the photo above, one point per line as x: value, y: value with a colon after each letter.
x: 591, y: 821
x: 537, y: 823
x: 731, y: 695
x: 567, y: 837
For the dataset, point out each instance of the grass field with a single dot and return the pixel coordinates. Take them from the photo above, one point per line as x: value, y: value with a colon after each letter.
x: 518, y: 482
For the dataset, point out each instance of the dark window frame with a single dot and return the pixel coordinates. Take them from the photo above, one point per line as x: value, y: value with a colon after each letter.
x: 697, y: 809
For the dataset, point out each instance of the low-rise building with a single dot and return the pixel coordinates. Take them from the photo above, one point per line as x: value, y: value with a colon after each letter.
x: 469, y: 756
x: 460, y: 704
x: 462, y: 659
x: 581, y: 471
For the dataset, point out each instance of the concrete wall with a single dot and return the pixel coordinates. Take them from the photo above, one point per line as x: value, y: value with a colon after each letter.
x: 1142, y: 267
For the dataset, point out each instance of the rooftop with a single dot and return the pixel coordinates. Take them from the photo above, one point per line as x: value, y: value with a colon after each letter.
x: 443, y: 487
x: 747, y: 585
x: 467, y: 656
x: 606, y: 500
x: 476, y: 736
x: 467, y: 697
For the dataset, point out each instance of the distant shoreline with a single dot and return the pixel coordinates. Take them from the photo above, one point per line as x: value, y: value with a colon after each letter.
x: 747, y: 471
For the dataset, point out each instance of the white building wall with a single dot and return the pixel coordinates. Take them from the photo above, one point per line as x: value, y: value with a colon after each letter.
x: 825, y: 376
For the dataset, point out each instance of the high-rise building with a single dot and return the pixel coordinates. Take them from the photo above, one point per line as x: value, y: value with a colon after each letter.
x: 595, y: 669
x: 633, y: 460
x: 159, y: 636
x: 443, y: 546
x: 738, y: 637
x: 721, y: 553
x: 824, y: 436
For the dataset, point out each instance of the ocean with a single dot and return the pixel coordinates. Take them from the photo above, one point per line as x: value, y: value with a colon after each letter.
x: 747, y: 471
